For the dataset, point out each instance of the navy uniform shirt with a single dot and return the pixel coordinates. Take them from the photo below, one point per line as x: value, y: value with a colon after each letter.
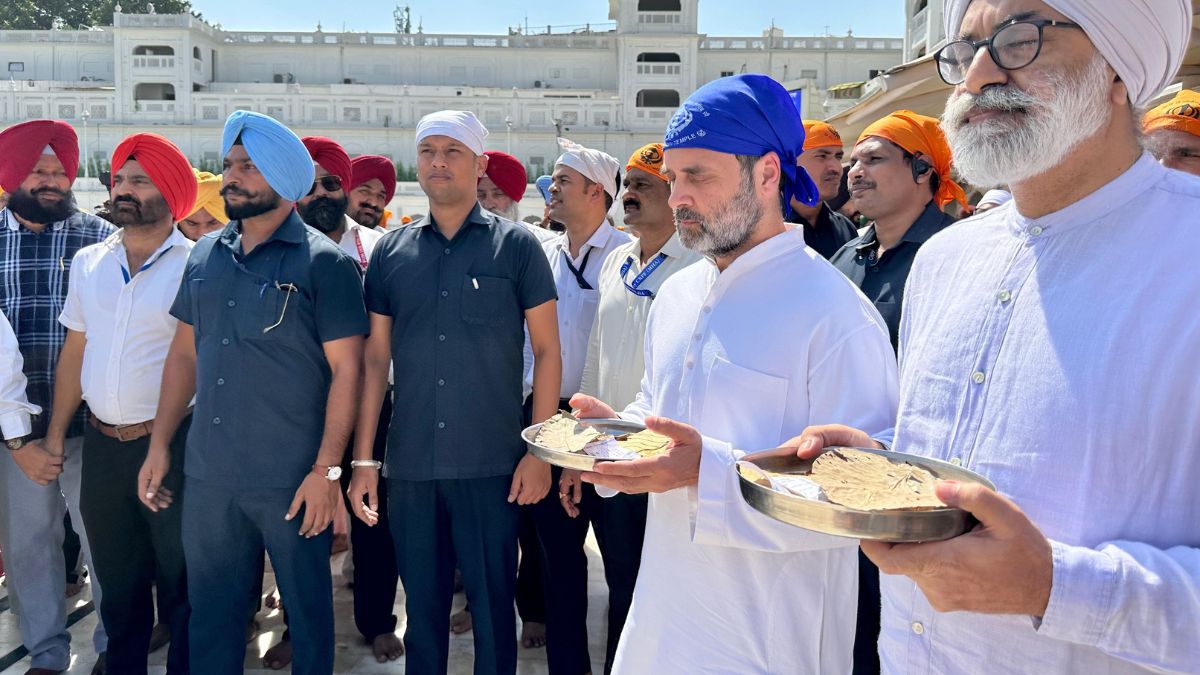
x: 458, y: 311
x: 829, y: 234
x: 262, y: 381
x: 882, y: 278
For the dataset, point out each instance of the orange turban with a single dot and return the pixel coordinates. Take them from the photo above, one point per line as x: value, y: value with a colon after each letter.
x: 1181, y: 113
x: 21, y: 146
x: 920, y: 135
x: 648, y: 158
x: 208, y: 196
x: 166, y: 166
x: 820, y: 135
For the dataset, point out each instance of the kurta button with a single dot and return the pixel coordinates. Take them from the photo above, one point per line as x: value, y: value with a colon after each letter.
x: 216, y: 420
x: 441, y: 425
x: 1004, y: 296
x: 445, y: 293
x: 956, y: 461
x: 690, y: 365
x: 918, y: 628
x: 441, y: 383
x: 977, y: 377
x: 224, y: 341
x: 707, y: 309
x: 1035, y: 230
x: 220, y: 380
x: 231, y: 303
x: 442, y: 338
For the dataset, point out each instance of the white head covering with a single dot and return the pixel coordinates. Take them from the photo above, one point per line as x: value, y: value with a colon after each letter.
x: 596, y: 166
x: 1143, y: 40
x: 460, y: 125
x: 995, y: 198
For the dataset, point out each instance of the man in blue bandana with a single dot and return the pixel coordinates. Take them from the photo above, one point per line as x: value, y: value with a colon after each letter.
x: 269, y: 344
x: 741, y: 350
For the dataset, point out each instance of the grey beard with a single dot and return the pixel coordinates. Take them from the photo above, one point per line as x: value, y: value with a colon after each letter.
x: 728, y: 229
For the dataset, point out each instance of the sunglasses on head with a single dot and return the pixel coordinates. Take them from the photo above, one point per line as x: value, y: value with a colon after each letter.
x: 329, y: 183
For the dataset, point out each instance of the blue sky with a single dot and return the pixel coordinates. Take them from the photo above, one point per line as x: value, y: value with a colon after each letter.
x: 717, y: 17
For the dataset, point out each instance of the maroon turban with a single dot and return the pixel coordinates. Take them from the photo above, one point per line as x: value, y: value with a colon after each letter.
x: 21, y: 146
x: 378, y: 167
x: 166, y: 166
x: 507, y: 173
x: 331, y: 156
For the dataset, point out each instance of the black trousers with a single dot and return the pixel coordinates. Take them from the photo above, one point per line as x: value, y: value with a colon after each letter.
x: 620, y: 525
x: 866, y: 634
x: 434, y: 523
x: 136, y: 549
x: 374, y: 554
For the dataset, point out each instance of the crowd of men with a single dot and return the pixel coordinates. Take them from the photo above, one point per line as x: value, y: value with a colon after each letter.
x: 237, y: 358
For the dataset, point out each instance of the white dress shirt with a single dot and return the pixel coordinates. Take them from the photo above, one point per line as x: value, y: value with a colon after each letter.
x: 751, y: 356
x: 1055, y: 356
x: 616, y: 348
x: 359, y: 241
x: 127, y: 324
x: 576, y: 306
x: 15, y: 408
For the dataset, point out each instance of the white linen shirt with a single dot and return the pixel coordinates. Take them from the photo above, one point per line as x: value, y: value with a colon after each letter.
x: 128, y: 325
x: 355, y: 236
x: 751, y: 356
x: 617, y: 344
x: 1055, y: 356
x: 15, y: 408
x: 576, y: 306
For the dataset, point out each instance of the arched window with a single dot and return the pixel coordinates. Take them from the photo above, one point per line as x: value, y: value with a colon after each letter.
x: 196, y: 53
x: 658, y: 98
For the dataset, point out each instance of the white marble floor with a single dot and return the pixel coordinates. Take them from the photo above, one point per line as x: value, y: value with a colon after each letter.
x: 353, y: 656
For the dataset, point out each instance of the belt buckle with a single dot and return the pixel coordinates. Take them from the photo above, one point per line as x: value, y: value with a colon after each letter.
x: 121, y: 432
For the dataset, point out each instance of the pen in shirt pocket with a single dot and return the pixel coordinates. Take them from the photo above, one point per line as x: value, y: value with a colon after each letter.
x: 475, y: 283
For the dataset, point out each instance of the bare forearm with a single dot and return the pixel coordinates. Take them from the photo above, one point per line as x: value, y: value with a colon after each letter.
x: 547, y: 381
x: 68, y: 391
x: 178, y: 389
x: 341, y: 410
x: 375, y: 380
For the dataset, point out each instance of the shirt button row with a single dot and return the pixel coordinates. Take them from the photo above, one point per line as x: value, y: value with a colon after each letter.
x: 442, y: 337
x: 445, y: 293
x: 1035, y: 230
x: 231, y: 303
x: 978, y: 377
x: 220, y: 380
x: 441, y: 425
x: 224, y: 341
x: 441, y: 383
x: 447, y: 251
x: 918, y: 628
x: 216, y: 420
x: 1004, y: 296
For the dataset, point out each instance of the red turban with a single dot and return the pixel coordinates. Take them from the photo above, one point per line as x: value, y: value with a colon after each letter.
x: 507, y: 173
x: 166, y: 166
x: 21, y: 146
x: 331, y: 156
x: 377, y: 167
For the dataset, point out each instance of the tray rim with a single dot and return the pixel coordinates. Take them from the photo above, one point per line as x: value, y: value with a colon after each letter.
x: 575, y: 460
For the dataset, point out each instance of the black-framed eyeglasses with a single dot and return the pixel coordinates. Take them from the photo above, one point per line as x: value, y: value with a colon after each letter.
x: 1012, y: 47
x: 331, y: 183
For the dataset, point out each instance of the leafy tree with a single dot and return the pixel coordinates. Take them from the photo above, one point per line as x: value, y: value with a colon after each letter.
x: 75, y: 14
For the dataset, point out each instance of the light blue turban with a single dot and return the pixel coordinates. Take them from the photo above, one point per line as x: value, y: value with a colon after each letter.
x: 275, y: 150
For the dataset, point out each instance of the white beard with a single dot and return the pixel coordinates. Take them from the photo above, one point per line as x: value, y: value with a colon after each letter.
x: 513, y: 212
x: 1067, y: 111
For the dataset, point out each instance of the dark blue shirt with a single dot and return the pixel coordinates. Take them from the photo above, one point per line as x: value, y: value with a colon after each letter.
x: 882, y: 278
x: 262, y: 380
x: 829, y: 234
x: 35, y: 270
x: 458, y: 311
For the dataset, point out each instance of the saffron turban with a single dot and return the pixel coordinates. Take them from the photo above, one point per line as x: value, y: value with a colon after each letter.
x: 1143, y: 40
x: 595, y: 165
x: 508, y: 174
x: 920, y: 135
x: 208, y: 196
x: 1181, y: 113
x: 331, y: 156
x: 277, y: 152
x: 648, y: 158
x: 746, y: 115
x: 820, y: 135
x: 167, y: 167
x: 460, y: 125
x: 21, y: 145
x: 376, y: 167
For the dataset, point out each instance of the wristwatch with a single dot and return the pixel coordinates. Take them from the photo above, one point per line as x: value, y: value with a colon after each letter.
x: 329, y: 473
x: 372, y: 463
x: 15, y: 444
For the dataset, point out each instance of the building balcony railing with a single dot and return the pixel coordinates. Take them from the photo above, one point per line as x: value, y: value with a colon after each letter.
x: 571, y: 41
x: 659, y: 69
x: 917, y: 26
x: 649, y: 115
x: 154, y: 107
x: 153, y: 63
x: 75, y: 36
x: 820, y: 43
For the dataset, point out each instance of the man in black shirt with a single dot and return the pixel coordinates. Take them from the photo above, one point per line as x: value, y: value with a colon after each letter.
x: 825, y: 230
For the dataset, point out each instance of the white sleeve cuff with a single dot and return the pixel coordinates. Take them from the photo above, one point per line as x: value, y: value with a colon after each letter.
x: 1081, y: 594
x: 16, y: 424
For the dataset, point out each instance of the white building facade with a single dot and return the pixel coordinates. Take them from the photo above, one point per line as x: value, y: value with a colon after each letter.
x: 179, y: 76
x: 924, y: 32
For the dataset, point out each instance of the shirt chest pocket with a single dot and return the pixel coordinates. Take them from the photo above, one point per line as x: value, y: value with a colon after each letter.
x: 278, y: 312
x: 488, y: 301
x: 744, y: 406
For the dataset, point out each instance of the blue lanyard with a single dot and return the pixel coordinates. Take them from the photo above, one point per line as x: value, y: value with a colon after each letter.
x: 636, y: 286
x: 143, y: 268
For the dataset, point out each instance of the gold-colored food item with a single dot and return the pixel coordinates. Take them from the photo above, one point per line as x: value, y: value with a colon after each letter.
x: 645, y: 443
x: 870, y: 482
x: 564, y: 432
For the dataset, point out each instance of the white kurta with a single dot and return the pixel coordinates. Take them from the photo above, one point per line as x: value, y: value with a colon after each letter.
x: 751, y: 356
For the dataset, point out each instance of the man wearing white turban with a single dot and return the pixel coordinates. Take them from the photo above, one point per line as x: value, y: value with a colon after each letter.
x: 1020, y: 358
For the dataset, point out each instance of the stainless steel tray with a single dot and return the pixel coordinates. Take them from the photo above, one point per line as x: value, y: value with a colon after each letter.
x: 896, y: 525
x: 578, y: 460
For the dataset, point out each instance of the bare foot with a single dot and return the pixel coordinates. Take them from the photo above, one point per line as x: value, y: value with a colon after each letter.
x: 460, y: 623
x: 387, y: 647
x: 533, y: 635
x: 75, y: 588
x: 279, y: 656
x: 252, y: 629
x: 273, y: 601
